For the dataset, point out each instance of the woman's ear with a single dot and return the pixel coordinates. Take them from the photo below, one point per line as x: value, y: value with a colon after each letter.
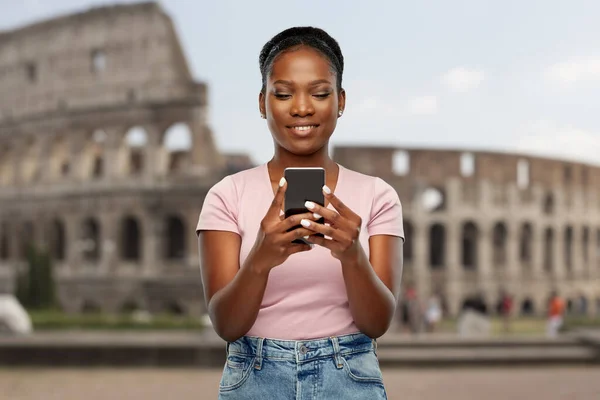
x: 341, y: 101
x: 261, y: 105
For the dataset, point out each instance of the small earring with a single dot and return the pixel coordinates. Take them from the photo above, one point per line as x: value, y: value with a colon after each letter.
x: 263, y: 116
x: 340, y: 113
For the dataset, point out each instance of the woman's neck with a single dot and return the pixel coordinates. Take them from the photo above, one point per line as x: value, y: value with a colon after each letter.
x: 282, y: 160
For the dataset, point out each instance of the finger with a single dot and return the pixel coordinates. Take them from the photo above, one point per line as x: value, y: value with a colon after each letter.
x: 338, y: 204
x: 335, y: 234
x: 294, y: 220
x: 278, y: 199
x: 297, y: 248
x: 331, y: 216
x: 290, y: 236
x: 329, y: 244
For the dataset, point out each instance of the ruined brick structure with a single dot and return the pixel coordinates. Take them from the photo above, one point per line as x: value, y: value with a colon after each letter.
x: 484, y: 222
x: 105, y: 158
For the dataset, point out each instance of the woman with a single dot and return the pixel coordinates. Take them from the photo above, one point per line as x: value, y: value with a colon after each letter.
x: 301, y: 320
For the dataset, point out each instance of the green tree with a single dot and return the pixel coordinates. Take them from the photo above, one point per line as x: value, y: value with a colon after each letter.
x: 35, y: 286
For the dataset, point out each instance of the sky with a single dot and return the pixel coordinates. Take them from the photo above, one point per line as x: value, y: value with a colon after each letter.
x: 510, y: 76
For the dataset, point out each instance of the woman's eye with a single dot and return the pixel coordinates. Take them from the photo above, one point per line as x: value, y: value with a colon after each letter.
x: 322, y: 95
x: 282, y: 96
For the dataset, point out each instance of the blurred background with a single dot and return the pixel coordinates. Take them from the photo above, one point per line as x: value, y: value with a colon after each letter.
x: 117, y: 117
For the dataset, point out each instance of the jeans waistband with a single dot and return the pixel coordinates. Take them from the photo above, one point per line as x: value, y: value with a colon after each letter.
x: 300, y: 350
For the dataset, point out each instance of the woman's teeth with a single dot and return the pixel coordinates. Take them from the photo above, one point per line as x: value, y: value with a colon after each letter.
x: 304, y: 128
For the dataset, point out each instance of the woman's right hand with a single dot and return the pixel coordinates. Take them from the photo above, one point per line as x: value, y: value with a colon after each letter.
x: 273, y: 242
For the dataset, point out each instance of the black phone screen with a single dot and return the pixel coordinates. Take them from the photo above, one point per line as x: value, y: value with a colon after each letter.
x: 303, y: 184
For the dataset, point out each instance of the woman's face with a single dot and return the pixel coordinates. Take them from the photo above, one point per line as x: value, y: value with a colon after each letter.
x: 301, y: 102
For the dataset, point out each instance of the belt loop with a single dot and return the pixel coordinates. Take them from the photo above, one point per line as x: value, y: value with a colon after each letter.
x: 336, y: 352
x: 259, y: 351
x: 375, y: 345
x: 227, y: 349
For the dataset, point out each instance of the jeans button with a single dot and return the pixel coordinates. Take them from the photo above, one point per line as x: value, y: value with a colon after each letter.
x: 303, y: 349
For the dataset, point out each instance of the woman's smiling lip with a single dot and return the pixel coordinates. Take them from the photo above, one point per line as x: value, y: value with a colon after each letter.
x: 303, y: 129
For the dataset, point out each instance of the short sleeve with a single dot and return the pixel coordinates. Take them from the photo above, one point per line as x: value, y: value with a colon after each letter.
x: 219, y: 211
x: 386, y: 211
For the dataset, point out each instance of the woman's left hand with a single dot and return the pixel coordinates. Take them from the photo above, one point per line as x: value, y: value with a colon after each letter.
x: 343, y: 229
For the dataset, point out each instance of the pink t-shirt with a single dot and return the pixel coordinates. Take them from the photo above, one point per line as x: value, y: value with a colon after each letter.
x: 305, y: 297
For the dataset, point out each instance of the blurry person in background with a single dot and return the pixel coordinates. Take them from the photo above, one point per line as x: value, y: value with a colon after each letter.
x: 433, y: 313
x: 505, y: 306
x: 474, y: 319
x: 301, y: 317
x: 556, y: 310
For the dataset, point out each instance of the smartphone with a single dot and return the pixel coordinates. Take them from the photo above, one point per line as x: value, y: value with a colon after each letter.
x: 303, y: 184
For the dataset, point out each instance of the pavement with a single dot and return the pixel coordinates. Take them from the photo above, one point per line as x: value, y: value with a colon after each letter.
x: 562, y: 383
x: 206, y: 349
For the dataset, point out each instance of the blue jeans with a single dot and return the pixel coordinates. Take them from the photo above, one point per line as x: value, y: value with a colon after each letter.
x: 337, y: 367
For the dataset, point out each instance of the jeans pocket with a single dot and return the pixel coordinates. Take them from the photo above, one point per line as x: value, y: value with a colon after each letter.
x: 363, y: 367
x: 236, y: 371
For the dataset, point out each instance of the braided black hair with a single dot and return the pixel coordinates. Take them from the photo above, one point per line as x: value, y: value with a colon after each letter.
x: 316, y: 38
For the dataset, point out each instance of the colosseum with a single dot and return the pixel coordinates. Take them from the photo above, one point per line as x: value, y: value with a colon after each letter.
x: 481, y: 222
x: 106, y: 156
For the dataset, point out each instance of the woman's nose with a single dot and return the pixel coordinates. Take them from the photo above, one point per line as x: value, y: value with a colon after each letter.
x: 302, y: 106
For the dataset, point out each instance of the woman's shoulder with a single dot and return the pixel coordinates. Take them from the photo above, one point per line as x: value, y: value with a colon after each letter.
x: 359, y: 179
x: 240, y: 179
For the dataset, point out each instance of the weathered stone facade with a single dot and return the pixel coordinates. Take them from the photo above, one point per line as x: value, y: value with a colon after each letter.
x: 89, y: 105
x: 484, y: 222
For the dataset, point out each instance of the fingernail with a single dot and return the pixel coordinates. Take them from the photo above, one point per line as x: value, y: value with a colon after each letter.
x: 281, y: 182
x: 309, y: 204
x: 317, y: 216
x: 326, y: 189
x: 311, y: 245
x: 305, y: 223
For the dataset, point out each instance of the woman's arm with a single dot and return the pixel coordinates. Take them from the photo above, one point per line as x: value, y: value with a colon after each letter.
x: 372, y: 285
x: 233, y: 294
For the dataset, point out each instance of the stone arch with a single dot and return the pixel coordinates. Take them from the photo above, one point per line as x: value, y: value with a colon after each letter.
x: 475, y: 302
x: 90, y: 307
x: 27, y: 239
x: 91, y: 240
x: 568, y: 247
x: 499, y: 239
x: 525, y: 243
x: 93, y: 164
x: 7, y: 170
x: 570, y: 306
x: 548, y: 204
x: 175, y: 307
x: 548, y: 249
x: 129, y: 306
x: 177, y: 143
x: 30, y: 163
x: 4, y: 243
x: 585, y: 246
x: 470, y: 239
x: 433, y: 199
x: 57, y: 240
x: 437, y: 246
x: 133, y: 151
x: 130, y: 239
x: 407, y: 248
x: 59, y: 161
x: 176, y: 238
x: 527, y: 307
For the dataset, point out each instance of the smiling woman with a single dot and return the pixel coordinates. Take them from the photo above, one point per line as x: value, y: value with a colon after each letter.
x: 301, y: 318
